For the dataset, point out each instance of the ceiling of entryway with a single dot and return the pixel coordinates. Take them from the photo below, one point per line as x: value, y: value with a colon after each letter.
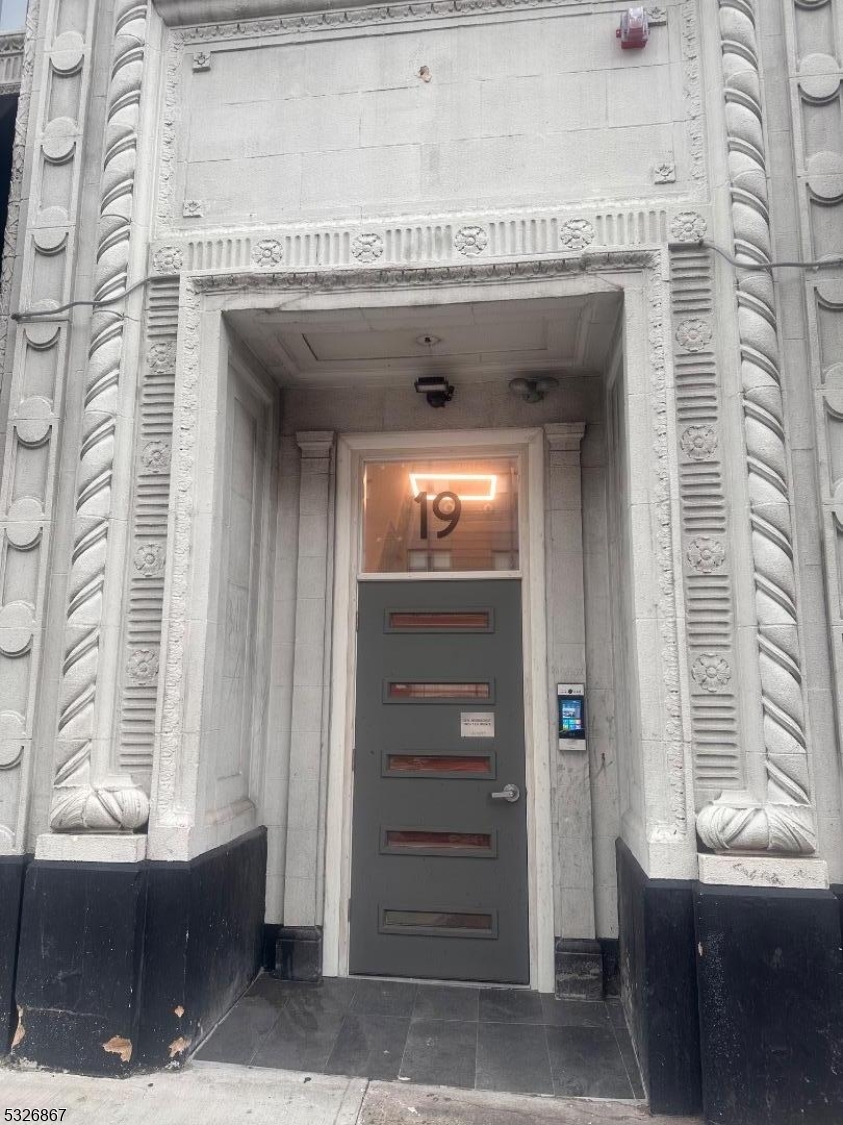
x: 479, y: 341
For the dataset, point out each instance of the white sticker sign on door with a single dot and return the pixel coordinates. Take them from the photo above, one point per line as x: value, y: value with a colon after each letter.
x: 477, y: 724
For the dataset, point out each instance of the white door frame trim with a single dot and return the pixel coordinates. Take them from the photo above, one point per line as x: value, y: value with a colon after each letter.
x: 529, y: 446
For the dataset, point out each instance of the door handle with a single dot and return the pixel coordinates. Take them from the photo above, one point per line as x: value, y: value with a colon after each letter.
x: 509, y: 793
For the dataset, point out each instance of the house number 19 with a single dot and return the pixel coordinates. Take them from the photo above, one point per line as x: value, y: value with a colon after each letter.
x: 446, y: 506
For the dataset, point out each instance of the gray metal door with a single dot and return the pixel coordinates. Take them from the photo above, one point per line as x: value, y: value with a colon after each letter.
x: 439, y: 852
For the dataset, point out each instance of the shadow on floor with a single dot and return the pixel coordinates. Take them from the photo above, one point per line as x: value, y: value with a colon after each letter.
x: 508, y: 1040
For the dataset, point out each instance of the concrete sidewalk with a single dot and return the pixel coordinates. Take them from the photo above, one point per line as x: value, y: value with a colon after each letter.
x: 219, y: 1094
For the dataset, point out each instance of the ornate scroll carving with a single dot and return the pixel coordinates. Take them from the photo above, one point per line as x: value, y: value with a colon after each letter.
x: 79, y: 803
x: 784, y: 822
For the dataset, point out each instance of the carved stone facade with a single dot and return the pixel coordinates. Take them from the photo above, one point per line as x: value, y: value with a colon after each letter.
x: 233, y: 242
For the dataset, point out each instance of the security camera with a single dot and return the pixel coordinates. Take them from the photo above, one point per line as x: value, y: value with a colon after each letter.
x: 436, y: 390
x: 533, y: 390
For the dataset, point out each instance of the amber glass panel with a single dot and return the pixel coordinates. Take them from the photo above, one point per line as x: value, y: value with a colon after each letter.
x: 439, y: 763
x: 432, y: 920
x: 420, y: 690
x: 416, y: 838
x: 431, y: 621
x: 424, y: 515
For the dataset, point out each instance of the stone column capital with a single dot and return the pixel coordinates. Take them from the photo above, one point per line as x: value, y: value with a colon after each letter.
x: 315, y: 444
x: 564, y: 437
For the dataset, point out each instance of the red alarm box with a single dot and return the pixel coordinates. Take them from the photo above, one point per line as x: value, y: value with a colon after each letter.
x: 634, y: 30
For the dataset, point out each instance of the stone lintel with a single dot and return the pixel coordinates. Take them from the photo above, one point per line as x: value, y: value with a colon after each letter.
x: 763, y: 871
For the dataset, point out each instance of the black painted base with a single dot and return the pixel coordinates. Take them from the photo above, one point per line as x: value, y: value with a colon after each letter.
x: 658, y: 984
x: 12, y: 872
x: 122, y: 966
x: 270, y: 941
x: 298, y: 953
x: 579, y: 969
x: 770, y: 975
x: 611, y: 966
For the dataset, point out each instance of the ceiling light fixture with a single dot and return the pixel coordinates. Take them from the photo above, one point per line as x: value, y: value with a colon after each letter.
x: 488, y: 479
x: 533, y: 390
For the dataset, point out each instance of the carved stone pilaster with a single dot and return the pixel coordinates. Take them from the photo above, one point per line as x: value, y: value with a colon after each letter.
x: 707, y: 562
x: 784, y: 821
x: 38, y: 272
x: 81, y: 801
x: 304, y: 875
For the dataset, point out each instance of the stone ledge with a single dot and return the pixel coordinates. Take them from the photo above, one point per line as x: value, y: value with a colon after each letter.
x: 763, y: 871
x: 182, y: 13
x: 90, y: 847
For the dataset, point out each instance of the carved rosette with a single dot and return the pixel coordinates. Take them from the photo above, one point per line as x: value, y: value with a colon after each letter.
x: 693, y: 335
x: 167, y: 259
x: 268, y: 253
x: 149, y: 560
x: 699, y: 443
x: 785, y: 822
x: 576, y: 234
x: 78, y: 802
x: 367, y: 247
x: 687, y: 226
x: 711, y: 672
x: 471, y: 240
x: 705, y: 555
x: 162, y: 357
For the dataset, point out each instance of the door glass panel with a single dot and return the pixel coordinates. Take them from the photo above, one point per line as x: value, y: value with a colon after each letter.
x: 420, y: 840
x: 432, y: 515
x: 422, y: 690
x: 439, y: 621
x: 432, y: 921
x: 440, y: 765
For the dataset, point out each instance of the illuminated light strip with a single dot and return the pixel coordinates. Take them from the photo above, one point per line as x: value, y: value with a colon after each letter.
x: 450, y: 477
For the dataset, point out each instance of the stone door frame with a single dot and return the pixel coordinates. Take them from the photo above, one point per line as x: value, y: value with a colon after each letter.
x: 662, y: 832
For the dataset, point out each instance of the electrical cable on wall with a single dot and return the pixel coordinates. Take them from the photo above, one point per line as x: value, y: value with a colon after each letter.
x: 703, y: 243
x: 48, y: 314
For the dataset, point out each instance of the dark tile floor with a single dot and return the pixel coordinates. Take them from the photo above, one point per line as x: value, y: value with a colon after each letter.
x: 439, y: 1035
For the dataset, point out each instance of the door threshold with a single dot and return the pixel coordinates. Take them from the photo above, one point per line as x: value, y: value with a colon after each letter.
x: 444, y: 983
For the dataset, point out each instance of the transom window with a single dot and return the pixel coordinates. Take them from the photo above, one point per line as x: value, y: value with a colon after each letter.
x: 430, y: 515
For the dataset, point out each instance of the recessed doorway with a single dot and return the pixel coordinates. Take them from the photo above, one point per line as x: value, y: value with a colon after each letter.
x: 442, y: 641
